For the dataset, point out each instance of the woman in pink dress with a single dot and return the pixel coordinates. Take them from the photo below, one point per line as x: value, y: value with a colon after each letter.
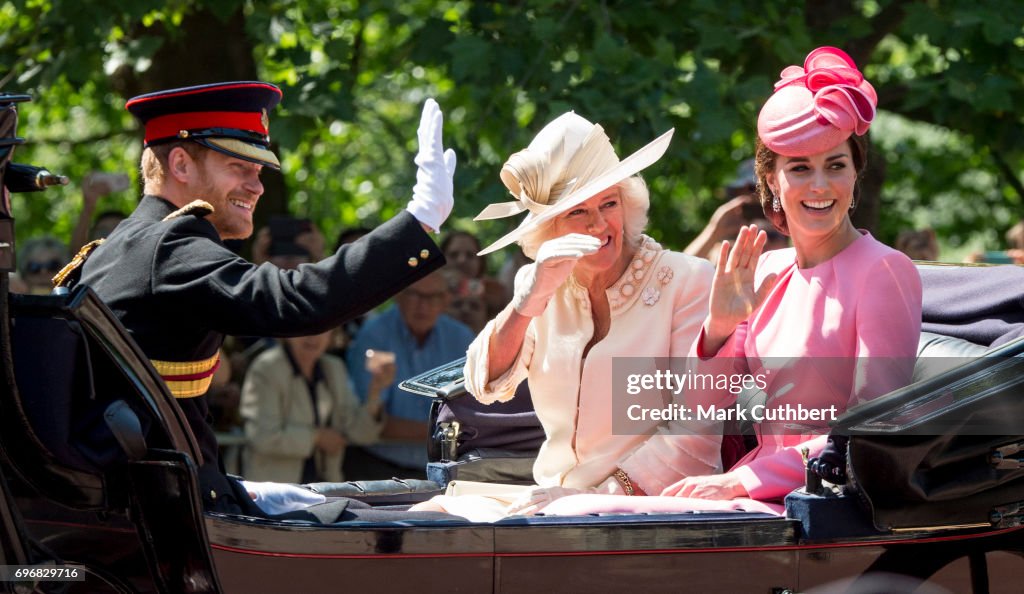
x: 831, y: 322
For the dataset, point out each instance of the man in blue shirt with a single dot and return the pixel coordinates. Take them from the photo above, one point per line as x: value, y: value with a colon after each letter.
x: 421, y: 337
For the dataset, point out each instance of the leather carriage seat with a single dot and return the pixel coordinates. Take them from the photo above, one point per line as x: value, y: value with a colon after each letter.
x: 51, y: 365
x: 396, y: 491
x: 83, y: 407
x: 937, y: 353
x: 940, y: 345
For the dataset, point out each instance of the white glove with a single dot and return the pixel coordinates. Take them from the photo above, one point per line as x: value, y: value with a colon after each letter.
x: 278, y: 498
x: 433, y: 196
x: 555, y: 261
x: 541, y: 497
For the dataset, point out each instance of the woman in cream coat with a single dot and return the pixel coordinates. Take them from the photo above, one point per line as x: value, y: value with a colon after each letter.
x: 598, y: 289
x: 289, y: 440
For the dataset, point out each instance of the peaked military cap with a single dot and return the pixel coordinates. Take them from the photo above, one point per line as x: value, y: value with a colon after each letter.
x: 229, y: 117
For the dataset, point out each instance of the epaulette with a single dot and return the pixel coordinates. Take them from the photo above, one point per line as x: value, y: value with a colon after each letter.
x: 73, y: 270
x: 198, y: 208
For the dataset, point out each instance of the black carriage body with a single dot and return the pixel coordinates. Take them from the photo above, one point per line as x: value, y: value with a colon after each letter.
x: 97, y: 471
x: 134, y: 519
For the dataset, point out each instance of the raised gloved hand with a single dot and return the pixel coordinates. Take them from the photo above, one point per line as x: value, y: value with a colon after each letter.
x: 278, y: 498
x: 555, y: 261
x: 433, y: 196
x: 541, y: 497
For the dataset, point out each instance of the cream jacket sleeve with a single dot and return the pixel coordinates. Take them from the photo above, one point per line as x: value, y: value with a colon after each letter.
x: 271, y: 425
x: 503, y: 387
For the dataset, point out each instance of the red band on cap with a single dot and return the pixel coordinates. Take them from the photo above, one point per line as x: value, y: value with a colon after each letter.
x: 169, y: 125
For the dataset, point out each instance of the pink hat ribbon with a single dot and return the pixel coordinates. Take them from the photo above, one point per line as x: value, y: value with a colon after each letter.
x: 817, y: 106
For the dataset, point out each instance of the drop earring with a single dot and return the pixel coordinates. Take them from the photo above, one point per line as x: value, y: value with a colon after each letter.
x: 776, y: 205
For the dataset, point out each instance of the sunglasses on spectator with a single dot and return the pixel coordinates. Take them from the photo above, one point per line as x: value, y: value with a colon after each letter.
x: 49, y: 266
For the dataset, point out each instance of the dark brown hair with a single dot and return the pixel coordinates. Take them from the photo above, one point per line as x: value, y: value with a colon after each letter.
x: 764, y: 163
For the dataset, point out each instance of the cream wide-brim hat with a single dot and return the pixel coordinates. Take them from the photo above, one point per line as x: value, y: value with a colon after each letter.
x: 569, y: 161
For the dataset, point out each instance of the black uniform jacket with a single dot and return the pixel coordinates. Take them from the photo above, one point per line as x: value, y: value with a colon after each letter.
x: 178, y: 290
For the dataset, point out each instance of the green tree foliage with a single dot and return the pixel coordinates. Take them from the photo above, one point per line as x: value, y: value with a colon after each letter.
x: 949, y: 149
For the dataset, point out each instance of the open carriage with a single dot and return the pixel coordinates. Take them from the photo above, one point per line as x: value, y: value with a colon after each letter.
x: 98, y: 475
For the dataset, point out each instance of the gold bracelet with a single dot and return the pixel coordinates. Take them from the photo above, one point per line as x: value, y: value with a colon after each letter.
x: 623, y: 479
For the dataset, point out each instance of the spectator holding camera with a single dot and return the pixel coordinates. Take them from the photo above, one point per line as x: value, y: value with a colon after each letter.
x: 300, y: 412
x: 461, y: 249
x: 416, y: 335
x: 467, y: 303
x: 742, y: 208
x: 288, y: 236
x: 97, y: 185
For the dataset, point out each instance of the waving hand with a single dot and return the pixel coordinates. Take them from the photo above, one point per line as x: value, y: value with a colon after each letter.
x: 733, y: 296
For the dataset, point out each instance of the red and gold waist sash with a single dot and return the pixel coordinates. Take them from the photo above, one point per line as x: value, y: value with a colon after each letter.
x: 188, y: 379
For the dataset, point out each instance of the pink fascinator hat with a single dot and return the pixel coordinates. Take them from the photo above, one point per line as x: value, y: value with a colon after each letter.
x: 818, y: 106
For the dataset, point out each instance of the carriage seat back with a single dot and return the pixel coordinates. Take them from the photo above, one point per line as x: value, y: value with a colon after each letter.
x: 54, y: 411
x: 85, y: 401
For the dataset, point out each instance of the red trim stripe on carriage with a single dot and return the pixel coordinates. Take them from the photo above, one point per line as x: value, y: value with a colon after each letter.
x: 741, y: 549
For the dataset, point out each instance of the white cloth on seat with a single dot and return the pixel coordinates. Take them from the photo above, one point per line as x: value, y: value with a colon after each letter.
x: 279, y: 498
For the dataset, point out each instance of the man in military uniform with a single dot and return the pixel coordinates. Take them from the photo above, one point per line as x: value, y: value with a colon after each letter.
x: 167, y: 275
